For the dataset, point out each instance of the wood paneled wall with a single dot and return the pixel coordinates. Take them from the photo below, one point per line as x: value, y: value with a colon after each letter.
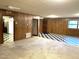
x: 41, y: 26
x: 23, y: 24
x: 59, y: 26
x: 44, y: 26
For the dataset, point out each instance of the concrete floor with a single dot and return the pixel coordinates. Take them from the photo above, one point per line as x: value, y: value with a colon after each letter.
x: 38, y: 48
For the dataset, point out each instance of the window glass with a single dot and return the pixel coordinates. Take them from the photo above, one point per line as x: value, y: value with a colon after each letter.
x: 72, y: 26
x: 78, y: 26
x: 72, y: 22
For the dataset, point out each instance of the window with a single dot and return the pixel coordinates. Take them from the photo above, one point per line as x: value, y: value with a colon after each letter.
x: 73, y: 24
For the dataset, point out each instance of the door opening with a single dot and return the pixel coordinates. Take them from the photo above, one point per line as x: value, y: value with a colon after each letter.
x: 35, y: 27
x: 8, y: 29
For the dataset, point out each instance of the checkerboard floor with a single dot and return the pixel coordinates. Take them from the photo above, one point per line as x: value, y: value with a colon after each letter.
x: 8, y: 37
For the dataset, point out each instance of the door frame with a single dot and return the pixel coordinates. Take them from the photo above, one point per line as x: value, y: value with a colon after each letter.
x: 32, y: 27
x: 3, y: 26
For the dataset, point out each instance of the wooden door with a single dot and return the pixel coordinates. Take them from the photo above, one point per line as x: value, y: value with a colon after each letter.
x: 1, y: 29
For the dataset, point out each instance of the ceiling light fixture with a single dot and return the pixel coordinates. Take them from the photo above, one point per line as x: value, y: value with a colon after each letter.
x: 59, y: 0
x: 12, y: 7
x: 52, y: 16
x: 37, y: 17
x: 77, y: 14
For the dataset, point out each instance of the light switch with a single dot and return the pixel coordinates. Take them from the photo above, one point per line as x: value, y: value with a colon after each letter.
x: 16, y: 23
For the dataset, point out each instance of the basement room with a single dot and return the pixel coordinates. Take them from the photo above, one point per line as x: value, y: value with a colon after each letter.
x: 39, y: 29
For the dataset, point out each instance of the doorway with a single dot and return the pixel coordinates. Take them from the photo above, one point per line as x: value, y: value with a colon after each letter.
x: 35, y: 27
x: 8, y: 29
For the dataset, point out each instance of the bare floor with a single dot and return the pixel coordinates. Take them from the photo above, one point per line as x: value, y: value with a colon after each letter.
x: 38, y: 48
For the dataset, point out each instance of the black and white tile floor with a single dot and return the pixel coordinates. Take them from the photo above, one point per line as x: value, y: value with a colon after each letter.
x: 8, y: 37
x: 52, y: 36
x: 61, y: 38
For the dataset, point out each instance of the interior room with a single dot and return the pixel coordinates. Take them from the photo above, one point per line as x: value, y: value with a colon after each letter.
x: 39, y: 29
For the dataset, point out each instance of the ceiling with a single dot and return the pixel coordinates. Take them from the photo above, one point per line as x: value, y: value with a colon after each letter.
x: 44, y: 8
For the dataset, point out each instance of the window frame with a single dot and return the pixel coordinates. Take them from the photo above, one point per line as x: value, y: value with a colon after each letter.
x: 73, y: 24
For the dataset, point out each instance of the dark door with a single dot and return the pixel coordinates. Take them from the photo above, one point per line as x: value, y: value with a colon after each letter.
x: 1, y: 29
